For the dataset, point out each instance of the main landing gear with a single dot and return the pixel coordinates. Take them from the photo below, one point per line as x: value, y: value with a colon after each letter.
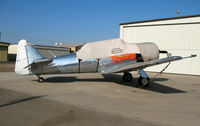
x: 127, y: 77
x: 143, y: 80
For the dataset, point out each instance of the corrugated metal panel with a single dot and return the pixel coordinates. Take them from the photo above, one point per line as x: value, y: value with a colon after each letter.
x: 167, y: 37
x: 3, y: 53
x: 178, y: 39
x: 52, y: 52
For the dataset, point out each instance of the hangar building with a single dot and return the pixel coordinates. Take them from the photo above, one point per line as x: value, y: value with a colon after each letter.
x: 178, y: 35
x: 46, y: 51
x: 4, y: 51
x: 74, y: 47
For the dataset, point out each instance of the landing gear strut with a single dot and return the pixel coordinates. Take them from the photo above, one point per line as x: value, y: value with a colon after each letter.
x: 127, y: 77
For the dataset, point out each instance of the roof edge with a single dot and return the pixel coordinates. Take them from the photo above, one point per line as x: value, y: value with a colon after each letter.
x: 161, y: 19
x: 5, y: 43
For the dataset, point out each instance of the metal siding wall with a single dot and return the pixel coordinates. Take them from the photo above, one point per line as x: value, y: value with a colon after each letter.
x: 180, y: 40
x: 3, y: 53
x: 47, y: 53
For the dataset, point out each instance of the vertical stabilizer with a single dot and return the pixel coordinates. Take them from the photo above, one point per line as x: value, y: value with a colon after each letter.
x: 26, y: 54
x: 22, y: 59
x: 33, y: 54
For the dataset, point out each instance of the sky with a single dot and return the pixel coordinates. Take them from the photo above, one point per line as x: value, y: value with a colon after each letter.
x: 45, y: 22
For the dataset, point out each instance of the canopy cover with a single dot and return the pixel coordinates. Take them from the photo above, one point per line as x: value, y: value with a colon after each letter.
x: 106, y: 48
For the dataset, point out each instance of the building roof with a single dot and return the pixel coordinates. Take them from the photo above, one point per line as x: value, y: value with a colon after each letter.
x: 69, y: 44
x: 4, y: 43
x: 49, y: 47
x: 161, y: 19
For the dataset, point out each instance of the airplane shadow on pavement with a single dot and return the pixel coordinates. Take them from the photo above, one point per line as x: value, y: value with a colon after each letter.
x: 156, y: 87
x: 19, y: 101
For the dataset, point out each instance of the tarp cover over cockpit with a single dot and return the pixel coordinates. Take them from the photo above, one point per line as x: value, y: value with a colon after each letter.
x: 106, y: 48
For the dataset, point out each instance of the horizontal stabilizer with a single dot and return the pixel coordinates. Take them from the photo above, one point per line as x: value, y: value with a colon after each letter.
x: 41, y: 62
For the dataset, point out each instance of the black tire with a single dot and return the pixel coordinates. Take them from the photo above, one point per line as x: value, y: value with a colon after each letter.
x: 127, y: 77
x: 40, y: 79
x: 145, y: 82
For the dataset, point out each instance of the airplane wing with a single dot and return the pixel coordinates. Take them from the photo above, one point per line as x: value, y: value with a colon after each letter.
x: 133, y: 65
x: 142, y: 65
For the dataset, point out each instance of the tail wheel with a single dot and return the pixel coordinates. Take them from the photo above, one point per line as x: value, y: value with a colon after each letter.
x: 127, y: 77
x: 40, y: 79
x: 143, y: 82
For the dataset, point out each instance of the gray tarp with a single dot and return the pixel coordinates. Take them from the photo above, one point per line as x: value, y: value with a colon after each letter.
x: 106, y: 48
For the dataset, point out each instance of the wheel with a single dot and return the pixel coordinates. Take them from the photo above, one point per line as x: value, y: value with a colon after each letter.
x: 40, y: 79
x: 143, y: 82
x: 127, y: 77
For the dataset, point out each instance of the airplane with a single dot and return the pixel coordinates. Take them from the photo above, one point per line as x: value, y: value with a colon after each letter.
x: 108, y: 56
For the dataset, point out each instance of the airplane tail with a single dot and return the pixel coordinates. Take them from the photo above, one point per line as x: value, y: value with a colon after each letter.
x: 26, y: 54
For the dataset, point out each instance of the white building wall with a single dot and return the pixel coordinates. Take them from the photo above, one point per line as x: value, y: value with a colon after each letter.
x: 12, y: 49
x: 178, y: 39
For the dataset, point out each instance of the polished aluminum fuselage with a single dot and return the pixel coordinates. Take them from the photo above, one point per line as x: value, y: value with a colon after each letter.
x: 71, y: 64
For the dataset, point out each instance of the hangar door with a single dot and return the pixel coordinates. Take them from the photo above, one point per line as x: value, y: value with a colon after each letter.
x: 179, y: 39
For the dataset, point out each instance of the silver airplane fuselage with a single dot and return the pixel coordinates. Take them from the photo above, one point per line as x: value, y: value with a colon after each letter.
x: 71, y: 64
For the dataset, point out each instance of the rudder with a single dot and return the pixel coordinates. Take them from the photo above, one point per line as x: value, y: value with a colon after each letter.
x: 22, y: 59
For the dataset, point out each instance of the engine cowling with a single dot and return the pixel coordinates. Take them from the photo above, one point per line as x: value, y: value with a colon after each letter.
x: 148, y: 50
